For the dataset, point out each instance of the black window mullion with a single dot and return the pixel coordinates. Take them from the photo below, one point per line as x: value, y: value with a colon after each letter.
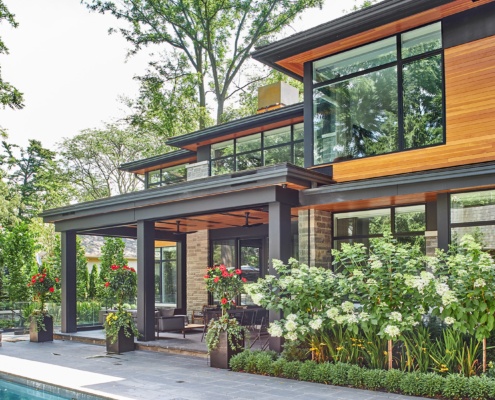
x: 263, y: 149
x: 400, y: 96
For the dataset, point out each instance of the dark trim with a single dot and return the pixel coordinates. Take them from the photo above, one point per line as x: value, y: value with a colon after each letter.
x: 471, y: 25
x: 309, y: 137
x: 351, y: 24
x: 454, y: 178
x: 443, y: 221
x: 157, y: 160
x: 472, y: 224
x: 251, y: 122
x: 431, y: 216
x: 69, y: 281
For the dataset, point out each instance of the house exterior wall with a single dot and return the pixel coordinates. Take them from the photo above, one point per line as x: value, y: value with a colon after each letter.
x: 470, y: 120
x: 315, y: 237
x: 196, y: 263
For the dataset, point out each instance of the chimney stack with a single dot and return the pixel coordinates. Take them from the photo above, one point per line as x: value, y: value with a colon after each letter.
x: 276, y: 95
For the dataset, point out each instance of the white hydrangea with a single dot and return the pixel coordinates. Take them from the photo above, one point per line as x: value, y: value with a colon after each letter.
x: 290, y: 325
x: 257, y: 298
x: 291, y: 317
x: 421, y: 310
x: 364, y: 316
x: 462, y: 272
x: 395, y: 316
x: 392, y: 331
x: 372, y: 282
x: 269, y: 278
x: 376, y: 264
x: 277, y: 264
x: 358, y: 273
x: 480, y: 282
x: 441, y: 288
x: 275, y: 330
x: 448, y: 298
x: 352, y: 319
x: 291, y: 336
x: 333, y: 312
x: 316, y: 323
x: 347, y: 306
x: 340, y: 319
x: 449, y: 320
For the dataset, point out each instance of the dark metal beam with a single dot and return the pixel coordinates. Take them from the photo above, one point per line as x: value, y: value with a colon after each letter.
x: 146, y: 280
x: 443, y: 220
x: 69, y: 279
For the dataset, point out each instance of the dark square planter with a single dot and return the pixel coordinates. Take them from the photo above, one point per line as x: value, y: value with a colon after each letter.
x: 122, y: 344
x: 42, y: 335
x: 220, y: 357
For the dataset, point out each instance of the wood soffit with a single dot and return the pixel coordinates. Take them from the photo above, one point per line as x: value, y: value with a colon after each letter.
x: 295, y: 64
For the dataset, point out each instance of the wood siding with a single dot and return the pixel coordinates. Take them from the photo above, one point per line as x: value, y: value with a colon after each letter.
x: 470, y: 118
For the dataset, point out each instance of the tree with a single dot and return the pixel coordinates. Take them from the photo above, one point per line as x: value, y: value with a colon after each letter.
x: 82, y: 274
x: 112, y: 253
x: 216, y: 37
x: 93, y: 157
x: 34, y: 177
x: 93, y: 279
x: 9, y: 95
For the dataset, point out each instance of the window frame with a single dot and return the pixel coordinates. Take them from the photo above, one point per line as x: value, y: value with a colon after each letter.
x: 311, y: 85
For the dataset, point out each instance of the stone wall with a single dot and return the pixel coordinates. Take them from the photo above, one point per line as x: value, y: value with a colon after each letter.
x: 431, y: 242
x: 197, y: 262
x: 315, y: 238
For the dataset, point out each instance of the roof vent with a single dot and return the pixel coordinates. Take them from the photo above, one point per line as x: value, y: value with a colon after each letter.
x: 276, y: 95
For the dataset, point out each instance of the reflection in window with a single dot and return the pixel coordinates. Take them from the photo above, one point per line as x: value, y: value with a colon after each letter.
x: 474, y: 213
x: 166, y: 176
x: 368, y: 101
x: 271, y: 147
x: 166, y: 275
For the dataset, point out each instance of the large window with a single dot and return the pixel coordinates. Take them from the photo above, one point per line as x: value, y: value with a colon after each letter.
x: 383, y: 97
x: 166, y: 176
x: 265, y: 148
x: 474, y: 213
x: 407, y: 224
x: 166, y: 275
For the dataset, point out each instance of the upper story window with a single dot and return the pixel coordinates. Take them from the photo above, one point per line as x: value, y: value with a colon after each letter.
x: 265, y: 148
x: 379, y: 98
x: 166, y: 176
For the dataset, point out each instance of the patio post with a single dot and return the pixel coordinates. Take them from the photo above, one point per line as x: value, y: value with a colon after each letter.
x: 279, y: 247
x: 146, y: 279
x: 68, y: 278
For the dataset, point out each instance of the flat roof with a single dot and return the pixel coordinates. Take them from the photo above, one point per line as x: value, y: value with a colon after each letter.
x: 160, y: 161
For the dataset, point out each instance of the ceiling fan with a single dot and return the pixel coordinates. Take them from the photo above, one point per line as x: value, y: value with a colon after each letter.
x: 247, y: 224
x: 178, y: 232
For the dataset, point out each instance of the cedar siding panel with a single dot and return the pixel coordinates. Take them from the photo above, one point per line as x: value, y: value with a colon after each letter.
x: 470, y: 120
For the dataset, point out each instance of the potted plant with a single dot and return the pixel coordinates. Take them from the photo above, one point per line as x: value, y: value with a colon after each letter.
x: 42, y: 286
x: 225, y: 336
x: 120, y: 328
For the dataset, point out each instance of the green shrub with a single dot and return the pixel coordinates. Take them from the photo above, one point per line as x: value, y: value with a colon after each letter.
x: 410, y: 383
x: 374, y: 379
x: 264, y: 363
x: 431, y: 384
x: 355, y: 376
x: 322, y: 372
x: 237, y: 363
x: 250, y: 362
x: 290, y: 369
x: 293, y: 351
x: 479, y: 388
x: 455, y: 386
x: 307, y: 371
x: 339, y: 374
x: 393, y: 380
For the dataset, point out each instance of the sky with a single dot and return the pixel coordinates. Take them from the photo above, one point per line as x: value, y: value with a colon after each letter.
x: 73, y: 73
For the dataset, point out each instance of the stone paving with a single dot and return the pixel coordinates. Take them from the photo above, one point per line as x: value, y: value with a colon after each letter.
x: 154, y: 375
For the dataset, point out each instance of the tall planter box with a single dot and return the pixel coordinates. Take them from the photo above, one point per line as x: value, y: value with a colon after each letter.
x: 42, y: 335
x: 220, y: 357
x: 122, y: 344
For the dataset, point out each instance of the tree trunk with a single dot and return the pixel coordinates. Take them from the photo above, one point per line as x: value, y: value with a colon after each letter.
x: 390, y: 347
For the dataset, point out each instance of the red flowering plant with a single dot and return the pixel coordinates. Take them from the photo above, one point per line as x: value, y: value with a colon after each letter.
x: 120, y: 286
x: 43, y: 286
x: 225, y: 284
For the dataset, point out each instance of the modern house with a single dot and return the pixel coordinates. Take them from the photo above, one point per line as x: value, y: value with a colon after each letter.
x: 396, y: 132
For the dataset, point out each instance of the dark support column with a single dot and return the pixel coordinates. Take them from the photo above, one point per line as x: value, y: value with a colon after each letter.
x: 443, y: 220
x: 279, y: 247
x: 69, y: 299
x: 146, y: 279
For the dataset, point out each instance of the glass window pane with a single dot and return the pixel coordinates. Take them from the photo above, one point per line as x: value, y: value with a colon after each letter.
x: 410, y: 219
x: 423, y: 104
x: 299, y: 154
x: 222, y: 166
x: 277, y: 136
x: 224, y: 253
x: 174, y: 174
x: 355, y: 60
x: 369, y: 222
x: 421, y: 40
x: 222, y: 149
x: 299, y: 132
x: 153, y: 177
x: 248, y: 143
x: 356, y: 117
x: 277, y: 155
x: 249, y: 161
x: 484, y: 234
x: 472, y: 206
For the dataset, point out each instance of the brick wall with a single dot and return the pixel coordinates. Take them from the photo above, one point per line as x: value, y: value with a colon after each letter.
x: 197, y: 262
x: 315, y: 237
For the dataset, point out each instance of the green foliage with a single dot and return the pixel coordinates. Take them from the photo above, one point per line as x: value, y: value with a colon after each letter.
x: 374, y: 379
x: 112, y: 253
x: 9, y: 95
x: 82, y: 275
x: 93, y: 280
x: 307, y: 370
x: 88, y: 312
x: 455, y: 386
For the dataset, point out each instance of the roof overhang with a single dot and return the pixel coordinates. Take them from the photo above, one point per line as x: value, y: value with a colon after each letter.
x: 161, y: 161
x: 378, y: 21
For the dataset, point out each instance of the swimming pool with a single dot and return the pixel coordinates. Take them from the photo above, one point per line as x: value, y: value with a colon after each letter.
x: 31, y: 390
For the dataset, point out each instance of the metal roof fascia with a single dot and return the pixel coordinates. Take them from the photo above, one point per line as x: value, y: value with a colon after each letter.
x: 156, y: 160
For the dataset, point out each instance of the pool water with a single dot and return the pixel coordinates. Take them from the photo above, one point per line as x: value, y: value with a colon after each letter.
x: 15, y: 391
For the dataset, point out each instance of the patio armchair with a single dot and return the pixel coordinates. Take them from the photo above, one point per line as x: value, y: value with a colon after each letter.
x: 166, y: 321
